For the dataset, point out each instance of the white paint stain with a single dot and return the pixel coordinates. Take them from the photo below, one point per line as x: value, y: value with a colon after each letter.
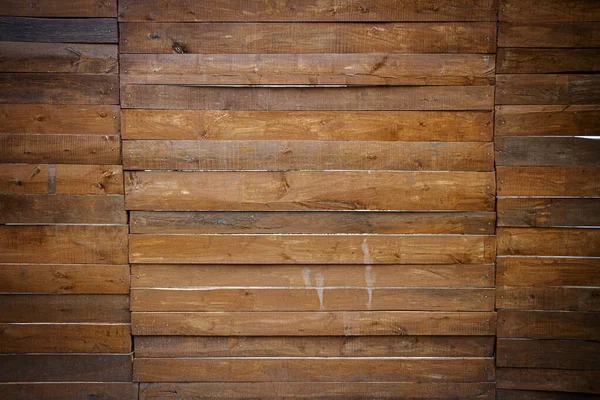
x: 306, y: 276
x: 369, y: 276
x: 319, y: 279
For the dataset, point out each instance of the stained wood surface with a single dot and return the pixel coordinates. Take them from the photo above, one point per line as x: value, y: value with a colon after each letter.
x: 548, y: 242
x: 505, y: 394
x: 528, y: 271
x: 548, y: 380
x: 549, y: 34
x: 548, y: 324
x: 554, y: 10
x: 548, y: 212
x: 543, y: 61
x: 56, y: 8
x: 547, y: 89
x: 417, y: 126
x: 556, y: 354
x: 71, y: 390
x: 548, y: 181
x: 547, y: 151
x: 59, y: 30
x: 548, y: 298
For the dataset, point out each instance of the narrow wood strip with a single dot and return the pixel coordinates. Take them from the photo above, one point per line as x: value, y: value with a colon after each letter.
x: 548, y: 181
x: 56, y: 8
x: 557, y: 354
x: 547, y: 61
x: 548, y: 324
x: 547, y: 152
x: 549, y: 34
x: 547, y: 89
x: 545, y: 298
x: 504, y: 394
x: 528, y: 271
x: 61, y: 30
x: 70, y: 391
x: 548, y: 212
x: 555, y: 10
x: 548, y: 380
x: 548, y: 242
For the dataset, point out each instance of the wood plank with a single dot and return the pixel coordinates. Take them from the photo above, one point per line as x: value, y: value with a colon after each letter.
x: 57, y: 308
x: 56, y: 8
x: 548, y: 380
x: 468, y: 222
x: 70, y: 391
x: 308, y: 69
x: 549, y: 34
x: 548, y: 324
x: 547, y: 151
x: 62, y: 209
x: 548, y: 212
x: 23, y: 179
x: 446, y: 126
x: 547, y: 89
x: 504, y: 394
x: 60, y: 244
x: 287, y: 155
x: 549, y: 242
x: 59, y: 57
x: 548, y: 181
x: 314, y: 369
x: 59, y: 30
x: 65, y: 338
x: 553, y: 10
x: 57, y: 149
x: 59, y: 119
x: 65, y: 279
x: 318, y: 346
x: 282, y: 191
x: 66, y: 368
x: 23, y: 88
x: 528, y: 271
x: 303, y: 275
x: 313, y: 249
x: 547, y: 61
x: 359, y: 323
x: 572, y: 120
x: 548, y: 298
x: 309, y: 37
x: 556, y: 354
x: 386, y: 98
x: 310, y: 11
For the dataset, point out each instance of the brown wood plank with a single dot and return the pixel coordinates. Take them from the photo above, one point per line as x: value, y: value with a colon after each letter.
x: 65, y: 338
x: 505, y: 394
x: 548, y: 380
x: 318, y: 346
x: 56, y: 8
x: 66, y: 368
x: 70, y: 391
x: 58, y: 88
x: 547, y: 151
x: 57, y: 149
x: 553, y: 10
x: 308, y: 69
x: 548, y: 298
x: 557, y: 354
x: 62, y: 209
x: 572, y: 120
x: 23, y: 179
x: 310, y: 11
x: 547, y: 61
x: 312, y: 125
x: 549, y: 242
x: 59, y: 119
x: 306, y: 155
x: 63, y: 244
x: 528, y: 271
x: 58, y: 308
x: 59, y: 57
x: 66, y: 279
x: 312, y: 249
x: 360, y: 323
x: 306, y: 275
x: 386, y: 98
x: 548, y: 212
x: 59, y: 30
x: 279, y: 191
x: 547, y: 89
x: 549, y: 34
x: 548, y: 181
x: 310, y: 37
x: 548, y: 324
x: 316, y: 369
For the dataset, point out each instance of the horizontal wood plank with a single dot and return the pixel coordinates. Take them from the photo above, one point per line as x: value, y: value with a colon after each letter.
x: 70, y: 391
x: 548, y: 212
x: 556, y: 354
x: 56, y: 8
x: 548, y: 324
x: 547, y: 89
x: 547, y: 61
x: 548, y: 298
x: 548, y: 181
x: 547, y: 152
x: 548, y: 380
x: 508, y: 394
x: 59, y: 30
x: 555, y: 10
x: 529, y: 271
x: 549, y: 34
x: 549, y: 242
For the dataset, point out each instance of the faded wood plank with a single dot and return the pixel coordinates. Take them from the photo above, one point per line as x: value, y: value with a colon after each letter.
x: 65, y: 338
x: 279, y: 191
x: 549, y: 34
x: 311, y: 125
x: 548, y: 181
x: 548, y: 380
x: 557, y: 354
x: 528, y: 271
x: 544, y: 61
x: 548, y: 212
x: 70, y: 391
x: 548, y: 324
x: 358, y: 323
x: 56, y: 8
x: 504, y: 394
x: 62, y: 30
x: 549, y: 242
x: 306, y: 155
x: 547, y: 151
x: 309, y: 37
x: 61, y: 244
x: 547, y: 89
x: 386, y: 98
x: 65, y: 279
x: 313, y: 249
x: 552, y: 10
x: 548, y: 298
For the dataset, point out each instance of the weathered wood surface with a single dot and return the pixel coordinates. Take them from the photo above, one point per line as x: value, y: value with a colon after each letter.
x: 278, y: 191
x: 579, y: 242
x: 310, y: 37
x: 548, y: 298
x: 544, y: 61
x: 557, y: 354
x: 547, y: 89
x: 548, y: 324
x: 57, y: 8
x: 71, y: 391
x: 357, y: 323
x: 528, y: 271
x: 554, y: 10
x: 507, y: 394
x: 548, y: 380
x: 59, y: 30
x: 549, y: 34
x: 548, y: 212
x: 440, y: 126
x: 548, y: 181
x: 547, y: 151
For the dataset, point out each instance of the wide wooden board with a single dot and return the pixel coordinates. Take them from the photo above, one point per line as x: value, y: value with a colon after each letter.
x: 547, y: 61
x: 548, y: 324
x: 70, y: 391
x: 548, y: 212
x: 547, y: 151
x: 549, y: 380
x: 548, y: 298
x: 547, y: 89
x: 548, y: 181
x: 530, y: 271
x: 578, y: 242
x: 549, y: 34
x: 59, y: 30
x: 557, y: 354
x: 554, y: 10
x: 56, y: 8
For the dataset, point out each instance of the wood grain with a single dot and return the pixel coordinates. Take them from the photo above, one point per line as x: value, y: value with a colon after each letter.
x: 56, y: 8
x: 548, y: 181
x: 548, y: 242
x: 547, y: 61
x: 547, y: 152
x: 548, y: 324
x: 528, y: 271
x: 549, y: 34
x: 70, y: 391
x: 556, y: 354
x: 548, y: 212
x: 547, y: 89
x: 548, y: 380
x: 505, y: 394
x: 58, y: 30
x: 554, y: 10
x: 548, y: 298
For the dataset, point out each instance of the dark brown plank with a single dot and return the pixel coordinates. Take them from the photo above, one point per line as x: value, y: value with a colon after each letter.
x: 548, y: 181
x: 548, y: 324
x: 70, y: 391
x: 65, y: 338
x: 557, y: 354
x: 547, y: 61
x: 310, y: 37
x: 387, y: 98
x: 56, y: 8
x: 553, y: 10
x: 61, y: 30
x: 306, y: 155
x: 547, y: 89
x: 548, y: 212
x: 549, y: 242
x: 63, y: 244
x: 444, y: 126
x: 529, y: 271
x: 548, y: 380
x: 279, y: 191
x: 69, y: 368
x: 547, y: 151
x: 548, y: 298
x: 360, y: 323
x: 66, y: 279
x: 549, y: 34
x: 505, y: 394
